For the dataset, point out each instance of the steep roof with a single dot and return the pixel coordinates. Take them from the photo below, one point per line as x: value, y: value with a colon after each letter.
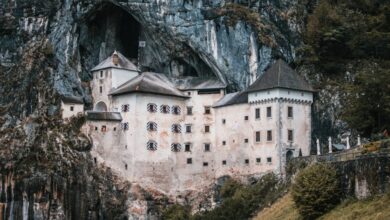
x: 197, y: 83
x: 104, y: 116
x: 123, y: 63
x: 149, y: 82
x: 232, y: 99
x: 280, y: 75
x: 72, y: 99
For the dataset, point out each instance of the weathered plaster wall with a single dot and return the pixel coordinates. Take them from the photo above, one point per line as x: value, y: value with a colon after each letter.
x: 66, y: 109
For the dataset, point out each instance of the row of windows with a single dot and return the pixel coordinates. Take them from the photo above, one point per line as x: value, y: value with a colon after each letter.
x: 290, y: 135
x: 175, y: 147
x: 290, y: 112
x: 224, y: 162
x: 151, y: 107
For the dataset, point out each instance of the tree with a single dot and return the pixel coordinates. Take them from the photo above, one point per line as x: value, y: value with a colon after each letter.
x: 316, y: 190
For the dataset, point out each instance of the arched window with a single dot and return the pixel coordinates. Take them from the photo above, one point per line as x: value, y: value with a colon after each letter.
x: 176, y: 110
x: 176, y: 128
x: 151, y: 145
x: 164, y: 109
x: 151, y: 126
x: 126, y: 108
x: 175, y: 147
x: 101, y: 107
x: 151, y: 107
x: 125, y: 126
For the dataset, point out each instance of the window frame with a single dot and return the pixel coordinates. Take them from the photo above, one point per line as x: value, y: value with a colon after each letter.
x: 288, y: 112
x: 269, y: 112
x: 269, y: 159
x: 290, y: 132
x: 257, y: 136
x: 175, y: 147
x: 176, y: 110
x: 190, y: 110
x: 207, y: 129
x: 207, y: 147
x: 207, y: 110
x: 71, y: 108
x: 189, y: 160
x: 257, y: 113
x: 176, y: 128
x: 151, y: 107
x: 190, y: 128
x: 165, y: 109
x: 189, y: 147
x: 151, y: 126
x: 151, y: 145
x: 269, y: 135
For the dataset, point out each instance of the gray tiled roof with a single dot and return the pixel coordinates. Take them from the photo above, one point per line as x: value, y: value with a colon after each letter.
x: 72, y: 99
x: 280, y: 75
x: 149, y: 82
x: 124, y: 63
x: 232, y: 99
x: 104, y: 116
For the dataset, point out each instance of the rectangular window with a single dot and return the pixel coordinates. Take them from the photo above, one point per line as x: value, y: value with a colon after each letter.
x: 188, y: 128
x: 205, y: 164
x: 223, y: 121
x: 189, y: 160
x: 223, y: 142
x: 269, y: 159
x: 246, y: 118
x: 290, y: 112
x: 207, y: 110
x: 257, y: 113
x: 187, y: 147
x: 246, y: 161
x: 101, y: 74
x: 258, y: 160
x: 101, y: 89
x: 125, y: 108
x: 290, y: 135
x: 207, y: 128
x: 207, y: 147
x: 269, y: 112
x: 71, y: 108
x: 257, y: 136
x: 104, y: 128
x: 246, y: 140
x: 224, y: 162
x: 269, y: 135
x: 189, y: 110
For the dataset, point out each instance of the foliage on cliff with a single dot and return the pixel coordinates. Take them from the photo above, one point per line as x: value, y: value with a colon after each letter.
x: 316, y: 190
x: 348, y: 42
x: 239, y: 201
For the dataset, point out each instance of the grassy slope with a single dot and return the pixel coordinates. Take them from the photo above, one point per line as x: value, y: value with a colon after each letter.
x: 377, y: 208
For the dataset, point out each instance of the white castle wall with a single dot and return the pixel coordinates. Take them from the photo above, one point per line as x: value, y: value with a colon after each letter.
x: 67, y: 112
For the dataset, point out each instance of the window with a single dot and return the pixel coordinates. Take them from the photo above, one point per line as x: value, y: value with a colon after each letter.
x: 207, y: 147
x: 188, y: 128
x: 125, y: 166
x: 101, y: 89
x: 164, y: 109
x: 125, y: 146
x: 257, y: 113
x: 289, y: 112
x: 246, y: 118
x: 223, y: 142
x: 176, y: 128
x: 290, y: 136
x: 207, y: 128
x: 71, y: 108
x: 125, y: 126
x: 151, y: 126
x: 151, y: 145
x: 175, y: 147
x: 189, y: 110
x: 114, y: 128
x: 96, y: 128
x: 176, y: 110
x: 188, y: 93
x: 125, y: 108
x: 223, y: 121
x: 246, y: 140
x: 101, y: 74
x: 151, y: 107
x: 207, y: 110
x: 189, y: 160
x: 104, y: 128
x: 258, y: 160
x: 269, y: 112
x: 269, y: 159
x: 269, y: 135
x: 224, y: 162
x: 205, y: 164
x: 246, y: 161
x: 187, y: 147
x: 257, y: 136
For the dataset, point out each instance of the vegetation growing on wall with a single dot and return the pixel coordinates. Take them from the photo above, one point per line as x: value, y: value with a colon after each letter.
x: 316, y: 190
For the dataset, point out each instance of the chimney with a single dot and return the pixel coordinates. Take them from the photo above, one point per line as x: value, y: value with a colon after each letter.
x: 115, y: 58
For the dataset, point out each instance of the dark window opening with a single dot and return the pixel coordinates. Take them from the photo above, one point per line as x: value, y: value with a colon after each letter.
x: 269, y: 135
x: 205, y: 164
x: 207, y: 110
x: 207, y: 147
x: 164, y: 109
x: 290, y: 135
x: 151, y: 126
x: 96, y: 128
x: 188, y: 128
x: 246, y: 161
x: 175, y: 147
x: 223, y: 121
x: 125, y: 108
x: 125, y: 146
x: 257, y: 136
x: 151, y: 107
x: 101, y: 89
x: 189, y: 110
x: 176, y: 110
x: 258, y: 160
x: 208, y: 91
x: 125, y: 126
x: 269, y: 112
x: 257, y: 113
x: 223, y: 142
x: 114, y: 128
x: 269, y: 159
x: 187, y: 147
x: 125, y: 166
x: 101, y: 74
x: 71, y: 108
x: 207, y: 128
x: 176, y: 128
x: 224, y: 162
x: 189, y: 160
x: 246, y: 140
x: 246, y: 118
x: 104, y: 128
x: 290, y: 112
x: 151, y: 145
x: 95, y: 160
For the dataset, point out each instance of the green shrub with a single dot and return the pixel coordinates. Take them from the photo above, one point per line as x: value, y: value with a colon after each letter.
x: 176, y: 212
x: 316, y: 190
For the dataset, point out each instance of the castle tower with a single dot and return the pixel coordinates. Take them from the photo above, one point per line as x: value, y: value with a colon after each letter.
x: 108, y: 75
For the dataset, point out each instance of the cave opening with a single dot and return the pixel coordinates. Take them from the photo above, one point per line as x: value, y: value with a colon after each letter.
x: 107, y: 28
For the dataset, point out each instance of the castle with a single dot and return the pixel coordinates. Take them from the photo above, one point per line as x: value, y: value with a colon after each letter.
x: 182, y: 133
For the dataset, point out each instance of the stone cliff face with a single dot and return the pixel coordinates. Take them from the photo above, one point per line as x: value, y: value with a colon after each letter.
x: 47, y: 49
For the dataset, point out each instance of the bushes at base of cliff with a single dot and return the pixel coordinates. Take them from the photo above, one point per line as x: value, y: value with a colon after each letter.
x: 316, y: 190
